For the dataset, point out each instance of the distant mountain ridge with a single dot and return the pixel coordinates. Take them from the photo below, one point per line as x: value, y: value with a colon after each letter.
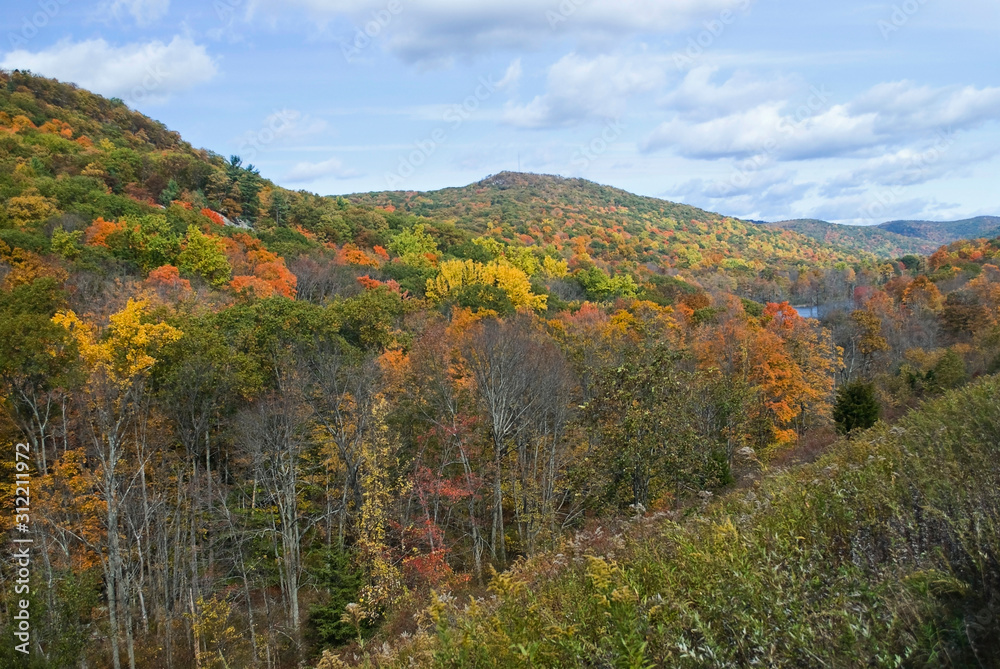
x: 894, y: 238
x: 873, y: 239
x: 945, y: 232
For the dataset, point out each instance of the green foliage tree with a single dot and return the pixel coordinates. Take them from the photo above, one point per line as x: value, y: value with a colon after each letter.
x: 170, y: 193
x: 369, y: 320
x: 601, y: 287
x: 204, y: 256
x: 642, y: 413
x: 413, y: 243
x: 948, y: 373
x: 857, y: 407
x: 339, y: 581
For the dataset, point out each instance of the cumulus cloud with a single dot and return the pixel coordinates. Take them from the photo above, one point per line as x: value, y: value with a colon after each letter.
x: 138, y: 72
x: 582, y: 88
x: 306, y: 172
x: 755, y: 194
x: 699, y: 97
x: 910, y: 166
x: 440, y: 29
x: 887, y: 117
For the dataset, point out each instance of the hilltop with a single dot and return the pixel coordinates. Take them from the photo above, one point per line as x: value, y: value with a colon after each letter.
x: 74, y: 160
x: 609, y: 223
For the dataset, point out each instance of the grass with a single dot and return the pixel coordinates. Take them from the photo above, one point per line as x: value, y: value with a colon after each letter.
x: 882, y: 553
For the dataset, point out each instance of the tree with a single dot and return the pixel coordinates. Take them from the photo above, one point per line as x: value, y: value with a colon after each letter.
x: 30, y: 208
x: 205, y: 256
x: 118, y: 366
x: 340, y: 581
x: 868, y: 339
x: 454, y: 275
x: 948, y: 373
x: 276, y: 432
x: 499, y: 355
x: 857, y: 407
x: 642, y: 413
x: 170, y: 193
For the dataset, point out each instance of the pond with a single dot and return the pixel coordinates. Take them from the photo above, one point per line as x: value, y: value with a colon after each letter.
x: 808, y: 311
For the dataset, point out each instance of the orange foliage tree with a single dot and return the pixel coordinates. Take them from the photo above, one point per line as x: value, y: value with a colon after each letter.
x: 254, y: 267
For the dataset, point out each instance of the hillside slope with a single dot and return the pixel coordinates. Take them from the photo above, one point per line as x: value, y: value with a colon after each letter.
x: 608, y: 223
x: 870, y: 557
x: 946, y: 232
x: 861, y: 239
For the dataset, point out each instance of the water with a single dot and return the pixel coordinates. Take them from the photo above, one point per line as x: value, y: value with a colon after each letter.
x: 808, y: 312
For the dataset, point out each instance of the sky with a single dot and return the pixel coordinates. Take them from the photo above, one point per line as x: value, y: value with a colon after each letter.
x: 852, y: 111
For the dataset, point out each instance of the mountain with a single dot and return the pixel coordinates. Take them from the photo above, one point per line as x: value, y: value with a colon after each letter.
x: 873, y: 239
x: 608, y: 223
x: 946, y: 232
x: 895, y: 238
x: 264, y: 425
x: 73, y: 157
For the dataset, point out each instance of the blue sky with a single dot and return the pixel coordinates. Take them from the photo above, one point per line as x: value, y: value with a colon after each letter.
x: 850, y: 111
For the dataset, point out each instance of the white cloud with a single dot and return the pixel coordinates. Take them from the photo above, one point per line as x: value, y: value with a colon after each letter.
x: 878, y: 205
x: 911, y: 166
x: 144, y: 12
x: 306, y: 172
x: 588, y: 88
x: 755, y: 194
x: 698, y: 97
x: 887, y: 117
x: 512, y: 77
x: 433, y: 30
x: 138, y: 72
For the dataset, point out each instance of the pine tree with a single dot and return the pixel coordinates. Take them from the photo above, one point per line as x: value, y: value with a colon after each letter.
x: 857, y: 407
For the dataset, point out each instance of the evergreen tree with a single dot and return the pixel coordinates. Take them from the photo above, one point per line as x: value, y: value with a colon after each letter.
x: 857, y: 407
x: 170, y: 193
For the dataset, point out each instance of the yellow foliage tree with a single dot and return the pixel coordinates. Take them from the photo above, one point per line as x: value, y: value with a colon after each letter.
x: 384, y: 579
x: 30, y: 208
x: 126, y: 353
x: 117, y: 365
x: 454, y: 275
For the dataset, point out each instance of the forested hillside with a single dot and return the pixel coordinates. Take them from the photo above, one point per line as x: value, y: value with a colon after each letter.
x: 883, y: 553
x: 945, y: 233
x: 610, y: 224
x: 264, y: 424
x: 871, y: 239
